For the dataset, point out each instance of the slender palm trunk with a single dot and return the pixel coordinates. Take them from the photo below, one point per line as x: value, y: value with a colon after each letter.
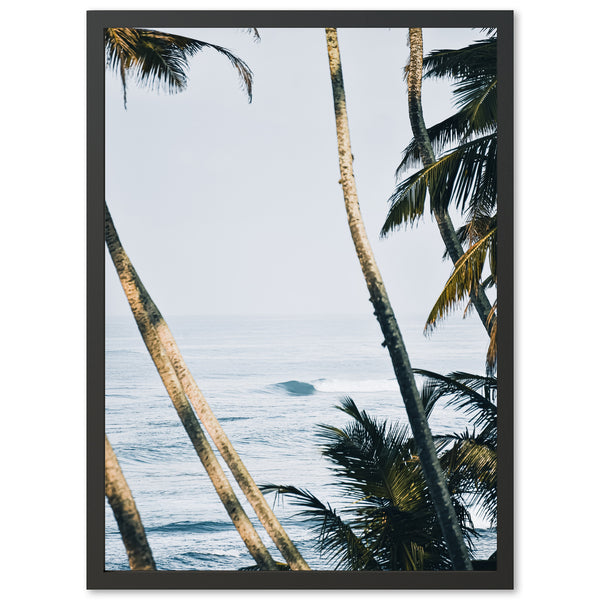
x: 417, y: 123
x: 138, y: 301
x: 126, y: 513
x: 225, y: 447
x: 432, y: 471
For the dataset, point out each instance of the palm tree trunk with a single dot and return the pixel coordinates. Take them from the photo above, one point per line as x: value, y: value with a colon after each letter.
x: 126, y: 513
x: 138, y: 301
x: 385, y: 315
x: 225, y: 447
x: 417, y: 123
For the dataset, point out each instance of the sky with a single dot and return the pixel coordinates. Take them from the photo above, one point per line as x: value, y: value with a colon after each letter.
x: 231, y: 207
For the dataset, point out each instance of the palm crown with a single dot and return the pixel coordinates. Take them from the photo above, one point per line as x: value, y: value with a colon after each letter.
x: 160, y: 60
x: 390, y: 522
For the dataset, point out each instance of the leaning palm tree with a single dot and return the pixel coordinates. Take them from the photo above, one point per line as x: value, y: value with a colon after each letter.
x: 223, y: 444
x: 168, y: 59
x: 387, y: 521
x: 466, y: 175
x: 126, y: 513
x: 385, y: 315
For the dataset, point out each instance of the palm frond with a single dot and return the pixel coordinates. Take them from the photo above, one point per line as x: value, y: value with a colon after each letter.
x: 476, y: 61
x: 469, y: 459
x: 464, y: 279
x: 254, y: 33
x: 459, y: 128
x: 375, y: 461
x: 337, y: 541
x: 158, y: 60
x: 471, y: 465
x: 475, y: 394
x: 451, y: 178
x: 479, y: 101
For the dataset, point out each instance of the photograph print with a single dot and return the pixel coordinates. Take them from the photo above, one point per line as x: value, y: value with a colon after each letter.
x: 300, y: 246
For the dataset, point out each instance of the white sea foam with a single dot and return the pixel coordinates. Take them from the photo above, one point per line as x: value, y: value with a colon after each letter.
x: 341, y: 386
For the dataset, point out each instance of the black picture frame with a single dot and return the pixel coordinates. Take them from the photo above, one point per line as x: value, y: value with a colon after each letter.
x: 97, y: 577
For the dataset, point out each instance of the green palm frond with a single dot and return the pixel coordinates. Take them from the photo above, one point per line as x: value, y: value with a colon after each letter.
x: 470, y: 458
x: 471, y: 464
x: 464, y: 279
x: 160, y: 60
x: 454, y: 177
x: 374, y: 461
x: 476, y: 61
x: 459, y: 128
x: 479, y: 101
x: 337, y: 541
x: 474, y: 394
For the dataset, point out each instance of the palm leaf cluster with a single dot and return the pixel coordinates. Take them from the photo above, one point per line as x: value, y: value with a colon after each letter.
x: 464, y: 175
x: 389, y: 522
x: 469, y: 458
x: 160, y: 60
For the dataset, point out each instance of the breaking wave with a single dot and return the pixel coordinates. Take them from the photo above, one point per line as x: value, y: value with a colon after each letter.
x: 297, y: 388
x: 337, y: 386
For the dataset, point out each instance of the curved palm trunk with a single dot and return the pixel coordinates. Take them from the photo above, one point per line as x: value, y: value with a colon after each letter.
x: 126, y: 513
x: 219, y: 437
x: 432, y: 471
x: 138, y: 301
x: 417, y: 123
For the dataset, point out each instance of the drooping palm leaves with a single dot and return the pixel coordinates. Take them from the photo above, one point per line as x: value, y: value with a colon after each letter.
x: 466, y: 275
x: 469, y: 458
x: 160, y: 60
x: 389, y: 522
x: 464, y: 175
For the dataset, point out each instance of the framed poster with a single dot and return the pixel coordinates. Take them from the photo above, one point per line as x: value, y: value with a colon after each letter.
x: 300, y: 238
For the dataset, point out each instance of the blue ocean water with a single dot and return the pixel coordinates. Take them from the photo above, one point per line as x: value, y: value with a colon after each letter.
x: 269, y: 380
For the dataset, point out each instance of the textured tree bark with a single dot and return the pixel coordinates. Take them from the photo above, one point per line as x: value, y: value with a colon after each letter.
x: 432, y: 471
x: 126, y: 513
x: 139, y: 302
x: 415, y: 112
x: 222, y: 442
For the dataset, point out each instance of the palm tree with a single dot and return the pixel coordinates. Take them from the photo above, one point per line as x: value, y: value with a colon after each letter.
x: 466, y: 175
x: 156, y: 59
x: 385, y: 315
x: 126, y: 513
x: 167, y: 62
x: 388, y: 521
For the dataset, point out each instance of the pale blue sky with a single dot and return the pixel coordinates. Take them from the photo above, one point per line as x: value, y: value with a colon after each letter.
x: 227, y: 207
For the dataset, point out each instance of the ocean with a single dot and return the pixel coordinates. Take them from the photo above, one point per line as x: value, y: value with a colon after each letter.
x: 269, y: 381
